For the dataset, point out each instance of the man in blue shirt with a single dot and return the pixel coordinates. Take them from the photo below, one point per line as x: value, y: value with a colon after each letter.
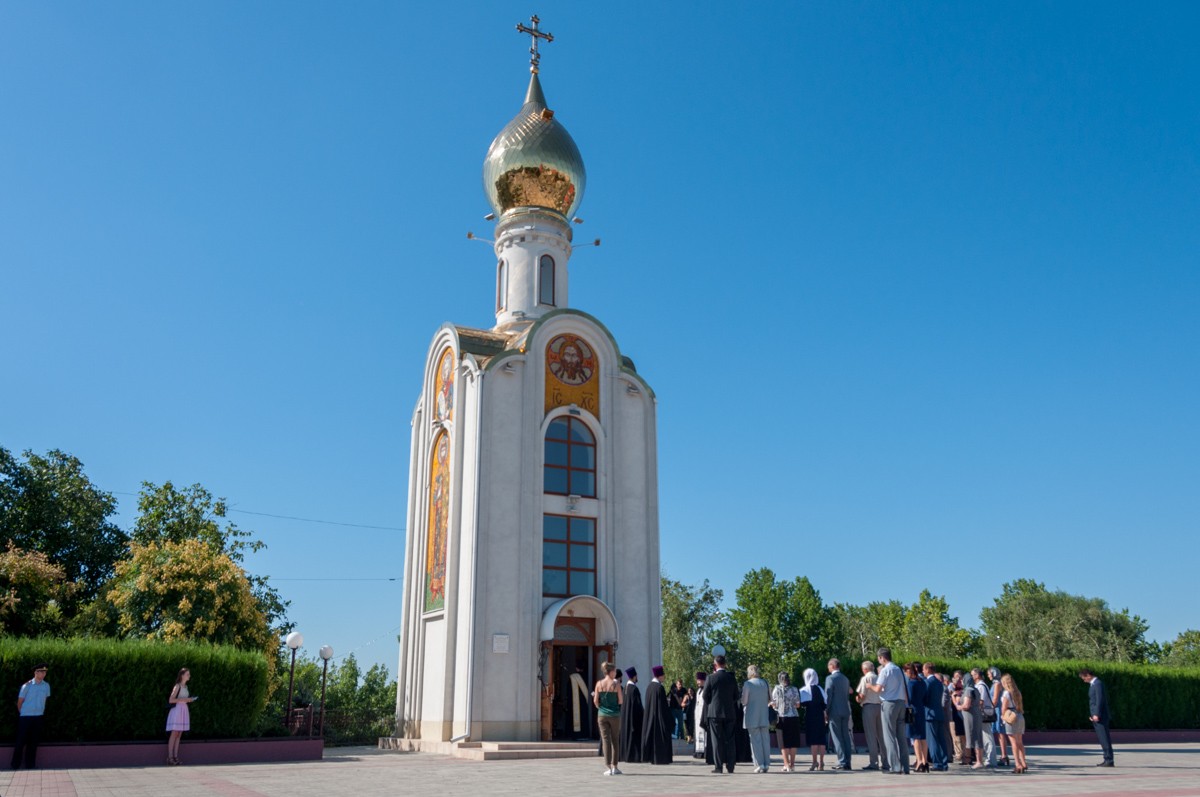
x: 31, y: 705
x: 892, y: 687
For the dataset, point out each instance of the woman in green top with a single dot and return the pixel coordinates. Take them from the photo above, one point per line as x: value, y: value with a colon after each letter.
x: 607, y: 699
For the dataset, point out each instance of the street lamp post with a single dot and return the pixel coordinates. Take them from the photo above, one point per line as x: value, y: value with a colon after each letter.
x: 326, y: 655
x: 294, y: 641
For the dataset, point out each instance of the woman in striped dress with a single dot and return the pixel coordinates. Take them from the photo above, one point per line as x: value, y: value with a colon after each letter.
x: 178, y: 719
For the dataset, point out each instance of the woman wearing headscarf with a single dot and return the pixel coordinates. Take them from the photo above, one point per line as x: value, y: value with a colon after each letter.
x: 812, y: 697
x: 785, y: 699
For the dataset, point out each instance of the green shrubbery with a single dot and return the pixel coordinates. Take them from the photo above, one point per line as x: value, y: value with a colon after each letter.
x: 112, y: 690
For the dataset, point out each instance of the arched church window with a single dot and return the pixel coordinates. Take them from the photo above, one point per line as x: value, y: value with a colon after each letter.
x: 546, y: 280
x: 501, y: 285
x: 570, y: 467
x: 568, y: 556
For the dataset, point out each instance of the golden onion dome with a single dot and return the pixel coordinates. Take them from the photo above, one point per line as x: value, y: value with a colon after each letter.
x: 533, y: 162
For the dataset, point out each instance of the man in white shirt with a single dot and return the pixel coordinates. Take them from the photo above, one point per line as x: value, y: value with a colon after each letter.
x: 872, y: 717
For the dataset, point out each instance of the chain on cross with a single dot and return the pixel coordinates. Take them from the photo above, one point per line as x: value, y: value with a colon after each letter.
x: 535, y: 56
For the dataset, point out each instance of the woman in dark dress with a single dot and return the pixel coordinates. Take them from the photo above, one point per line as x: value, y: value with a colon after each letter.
x: 812, y: 698
x: 689, y: 714
x: 916, y: 728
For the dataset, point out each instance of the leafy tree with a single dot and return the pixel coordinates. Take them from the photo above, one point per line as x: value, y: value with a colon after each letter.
x: 171, y: 515
x: 187, y: 591
x: 689, y: 617
x: 1029, y: 621
x: 48, y: 505
x: 1184, y: 651
x: 32, y: 590
x: 929, y: 630
x: 865, y: 629
x: 779, y: 624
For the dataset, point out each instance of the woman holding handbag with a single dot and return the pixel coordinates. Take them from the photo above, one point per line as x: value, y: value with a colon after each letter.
x: 1012, y: 711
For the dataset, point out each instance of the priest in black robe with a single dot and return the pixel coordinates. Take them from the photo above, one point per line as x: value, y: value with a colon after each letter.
x: 659, y: 722
x: 631, y: 720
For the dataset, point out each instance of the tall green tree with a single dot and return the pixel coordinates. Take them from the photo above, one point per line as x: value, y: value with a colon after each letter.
x: 690, y: 615
x: 167, y: 514
x: 187, y: 591
x: 929, y: 630
x: 1184, y: 651
x: 1029, y: 621
x: 779, y: 625
x: 32, y: 591
x: 865, y: 629
x: 48, y: 505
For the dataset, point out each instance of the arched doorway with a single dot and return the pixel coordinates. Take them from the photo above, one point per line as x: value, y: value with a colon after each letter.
x: 578, y: 634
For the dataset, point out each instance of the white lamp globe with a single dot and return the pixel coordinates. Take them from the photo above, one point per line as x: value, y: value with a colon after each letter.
x: 295, y: 640
x: 326, y: 652
x: 718, y: 650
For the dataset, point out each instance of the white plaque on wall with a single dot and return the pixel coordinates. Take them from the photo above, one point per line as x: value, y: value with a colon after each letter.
x: 499, y: 643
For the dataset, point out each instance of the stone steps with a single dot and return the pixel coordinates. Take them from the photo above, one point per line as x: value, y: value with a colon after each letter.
x: 494, y: 751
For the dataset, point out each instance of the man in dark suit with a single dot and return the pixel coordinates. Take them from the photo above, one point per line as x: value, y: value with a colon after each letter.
x: 720, y: 706
x: 837, y: 713
x: 1099, y: 714
x: 935, y: 719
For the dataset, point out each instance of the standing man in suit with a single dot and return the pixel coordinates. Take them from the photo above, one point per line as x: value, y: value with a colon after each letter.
x: 720, y: 705
x: 935, y: 718
x: 837, y: 713
x: 1099, y: 714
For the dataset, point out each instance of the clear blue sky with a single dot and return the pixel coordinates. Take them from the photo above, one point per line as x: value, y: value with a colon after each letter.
x: 916, y: 284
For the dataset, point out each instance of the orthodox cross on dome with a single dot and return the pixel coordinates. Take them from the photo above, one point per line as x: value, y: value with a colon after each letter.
x: 535, y: 56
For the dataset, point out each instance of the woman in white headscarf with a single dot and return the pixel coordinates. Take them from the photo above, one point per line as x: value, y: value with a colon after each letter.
x: 812, y: 697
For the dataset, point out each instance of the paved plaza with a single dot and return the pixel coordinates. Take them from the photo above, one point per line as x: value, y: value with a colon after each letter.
x: 1147, y: 771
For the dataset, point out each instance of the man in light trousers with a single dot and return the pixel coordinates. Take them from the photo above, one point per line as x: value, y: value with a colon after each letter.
x: 756, y: 718
x: 872, y: 717
x: 891, y: 687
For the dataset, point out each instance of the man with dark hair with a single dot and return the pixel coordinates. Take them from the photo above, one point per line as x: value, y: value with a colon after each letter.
x: 720, y: 705
x: 891, y: 686
x: 632, y: 720
x: 935, y: 718
x: 31, y: 706
x: 837, y: 713
x: 1099, y: 714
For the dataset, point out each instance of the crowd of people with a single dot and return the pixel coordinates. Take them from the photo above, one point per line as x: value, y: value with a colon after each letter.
x: 915, y: 718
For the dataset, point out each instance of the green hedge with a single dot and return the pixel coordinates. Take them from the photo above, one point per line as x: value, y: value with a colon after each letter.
x: 1141, y: 696
x: 112, y: 690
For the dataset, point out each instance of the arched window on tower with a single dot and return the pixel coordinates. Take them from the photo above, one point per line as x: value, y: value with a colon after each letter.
x: 570, y: 467
x: 501, y: 285
x: 546, y: 280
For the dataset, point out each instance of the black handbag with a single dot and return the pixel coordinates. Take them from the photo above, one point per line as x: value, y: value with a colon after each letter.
x: 909, y: 716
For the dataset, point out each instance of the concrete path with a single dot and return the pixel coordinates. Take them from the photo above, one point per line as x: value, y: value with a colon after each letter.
x: 1146, y: 771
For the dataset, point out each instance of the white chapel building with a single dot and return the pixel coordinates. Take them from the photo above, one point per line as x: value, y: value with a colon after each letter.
x: 532, y: 548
